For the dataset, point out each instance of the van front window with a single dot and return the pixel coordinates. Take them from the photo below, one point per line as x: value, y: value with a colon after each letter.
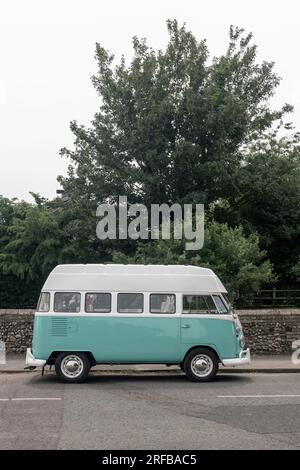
x: 227, y: 301
x: 197, y: 304
x: 220, y: 304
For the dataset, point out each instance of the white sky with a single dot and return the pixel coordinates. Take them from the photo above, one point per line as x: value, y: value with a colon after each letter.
x: 47, y: 59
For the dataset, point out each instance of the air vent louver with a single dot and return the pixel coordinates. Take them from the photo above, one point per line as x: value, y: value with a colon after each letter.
x: 59, y: 326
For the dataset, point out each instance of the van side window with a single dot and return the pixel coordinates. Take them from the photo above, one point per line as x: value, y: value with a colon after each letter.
x: 220, y: 304
x: 98, y: 302
x: 44, y: 302
x: 162, y: 303
x: 198, y: 304
x: 67, y: 302
x: 130, y: 303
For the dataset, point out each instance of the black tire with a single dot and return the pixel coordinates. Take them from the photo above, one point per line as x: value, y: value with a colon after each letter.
x: 201, y: 372
x: 81, y: 367
x: 181, y: 365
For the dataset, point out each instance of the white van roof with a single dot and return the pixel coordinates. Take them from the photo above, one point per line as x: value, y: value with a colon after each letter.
x: 132, y: 278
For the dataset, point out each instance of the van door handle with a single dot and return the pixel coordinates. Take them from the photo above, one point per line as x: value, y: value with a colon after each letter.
x: 185, y: 326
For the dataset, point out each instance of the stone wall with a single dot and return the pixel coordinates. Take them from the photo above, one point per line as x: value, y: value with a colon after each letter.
x: 16, y: 329
x: 266, y: 331
x: 270, y: 331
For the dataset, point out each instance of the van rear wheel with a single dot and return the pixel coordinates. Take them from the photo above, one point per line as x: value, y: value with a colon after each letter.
x: 72, y: 367
x: 201, y: 365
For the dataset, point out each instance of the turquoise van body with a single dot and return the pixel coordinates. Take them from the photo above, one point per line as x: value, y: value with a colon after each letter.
x: 134, y: 340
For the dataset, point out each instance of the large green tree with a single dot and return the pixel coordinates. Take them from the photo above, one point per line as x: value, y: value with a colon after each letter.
x: 171, y: 124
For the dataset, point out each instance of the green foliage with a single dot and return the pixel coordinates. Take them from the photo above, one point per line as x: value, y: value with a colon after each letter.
x: 266, y: 200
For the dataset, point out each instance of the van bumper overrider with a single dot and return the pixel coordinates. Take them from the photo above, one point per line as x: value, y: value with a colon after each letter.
x: 244, y: 358
x: 32, y: 361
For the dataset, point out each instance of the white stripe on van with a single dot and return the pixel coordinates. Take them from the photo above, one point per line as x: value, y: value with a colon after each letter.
x: 227, y: 317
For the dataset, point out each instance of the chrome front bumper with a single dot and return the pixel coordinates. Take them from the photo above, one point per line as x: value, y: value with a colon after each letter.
x: 244, y: 358
x: 31, y: 361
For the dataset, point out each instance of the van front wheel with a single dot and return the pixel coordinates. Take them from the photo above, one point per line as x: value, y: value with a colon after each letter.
x: 72, y: 367
x: 201, y: 365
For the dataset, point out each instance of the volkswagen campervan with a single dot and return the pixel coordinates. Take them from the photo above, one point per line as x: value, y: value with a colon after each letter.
x: 135, y: 314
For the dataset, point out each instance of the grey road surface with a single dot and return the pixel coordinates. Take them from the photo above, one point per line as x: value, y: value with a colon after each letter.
x: 164, y: 411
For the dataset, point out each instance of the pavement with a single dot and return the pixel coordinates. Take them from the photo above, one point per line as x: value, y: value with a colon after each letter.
x: 263, y: 364
x: 150, y: 411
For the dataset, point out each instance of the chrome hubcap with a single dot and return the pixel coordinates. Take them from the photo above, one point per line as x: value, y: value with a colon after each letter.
x: 201, y: 365
x: 72, y: 366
